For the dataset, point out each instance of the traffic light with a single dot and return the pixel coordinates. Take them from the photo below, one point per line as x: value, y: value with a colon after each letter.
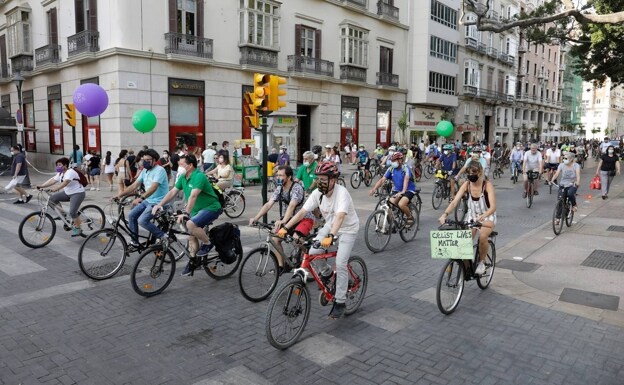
x: 275, y: 103
x: 260, y: 99
x: 251, y: 115
x: 70, y: 114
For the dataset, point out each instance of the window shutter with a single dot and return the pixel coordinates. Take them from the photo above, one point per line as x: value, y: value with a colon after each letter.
x: 383, y: 60
x: 3, y: 58
x: 390, y: 55
x: 173, y: 16
x: 79, y: 9
x: 200, y: 18
x: 317, y: 44
x: 298, y: 30
x: 93, y: 25
x: 53, y: 26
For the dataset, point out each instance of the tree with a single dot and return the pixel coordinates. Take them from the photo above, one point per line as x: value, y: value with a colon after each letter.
x: 594, y: 28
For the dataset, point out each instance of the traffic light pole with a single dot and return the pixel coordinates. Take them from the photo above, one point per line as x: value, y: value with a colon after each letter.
x: 264, y: 127
x: 74, y: 144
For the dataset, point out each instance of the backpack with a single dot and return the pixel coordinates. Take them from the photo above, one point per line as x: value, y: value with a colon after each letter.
x: 219, y: 193
x: 404, y: 169
x: 226, y: 240
x: 81, y: 177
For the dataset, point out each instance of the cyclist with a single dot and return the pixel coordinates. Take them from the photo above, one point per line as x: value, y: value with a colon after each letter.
x: 291, y: 195
x: 154, y: 178
x: 337, y: 208
x: 481, y: 207
x: 516, y: 157
x: 387, y: 159
x: 448, y: 163
x: 475, y: 156
x: 379, y: 152
x: 570, y: 177
x: 552, y: 160
x: 532, y: 161
x: 363, y: 158
x: 403, y: 186
x: 73, y: 192
x: 305, y: 173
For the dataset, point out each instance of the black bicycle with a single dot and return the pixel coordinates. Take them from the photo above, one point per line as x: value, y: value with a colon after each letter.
x: 533, y: 177
x: 563, y: 210
x: 442, y: 189
x: 388, y: 219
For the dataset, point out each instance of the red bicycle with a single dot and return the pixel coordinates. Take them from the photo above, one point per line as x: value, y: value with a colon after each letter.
x: 289, y: 307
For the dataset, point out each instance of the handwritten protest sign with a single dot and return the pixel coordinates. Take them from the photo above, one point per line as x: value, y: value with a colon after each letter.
x: 451, y: 244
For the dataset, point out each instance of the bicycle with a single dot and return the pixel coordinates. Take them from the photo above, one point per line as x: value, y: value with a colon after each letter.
x: 234, y: 202
x: 515, y: 166
x: 289, y: 308
x: 388, y: 219
x: 38, y: 228
x: 563, y: 209
x: 532, y: 176
x: 361, y: 175
x: 429, y: 168
x: 498, y: 169
x: 442, y: 189
x: 456, y: 271
x: 155, y: 267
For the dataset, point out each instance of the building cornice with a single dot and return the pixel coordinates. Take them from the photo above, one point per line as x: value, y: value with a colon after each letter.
x: 365, y: 12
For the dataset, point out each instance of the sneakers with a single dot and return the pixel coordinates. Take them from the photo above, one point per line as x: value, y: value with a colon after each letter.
x: 189, y: 268
x: 28, y: 198
x: 92, y: 189
x: 524, y: 195
x: 480, y: 269
x: 337, y: 310
x: 19, y: 202
x: 133, y: 246
x: 76, y: 232
x: 204, y: 250
x: 536, y: 192
x: 164, y: 240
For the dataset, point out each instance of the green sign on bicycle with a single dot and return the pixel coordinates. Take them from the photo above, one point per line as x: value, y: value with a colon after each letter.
x: 451, y: 244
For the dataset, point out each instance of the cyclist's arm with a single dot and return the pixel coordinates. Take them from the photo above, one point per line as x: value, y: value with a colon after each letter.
x: 263, y: 210
x: 296, y: 219
x: 47, y: 183
x: 192, y: 199
x: 150, y: 191
x: 555, y: 175
x: 172, y: 193
x: 463, y: 169
x: 338, y: 219
x: 406, y: 179
x: 377, y: 185
x: 290, y: 210
x: 578, y: 175
x: 492, y: 198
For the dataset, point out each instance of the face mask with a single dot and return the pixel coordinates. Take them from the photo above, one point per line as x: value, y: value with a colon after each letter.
x: 473, y: 178
x: 447, y: 152
x: 282, y: 151
x: 306, y: 164
x: 315, y: 156
x: 361, y: 149
x: 165, y: 156
x: 395, y: 164
x: 390, y: 152
x: 610, y: 152
x: 59, y: 168
x: 566, y: 161
x: 323, y: 187
x: 279, y: 182
x: 147, y: 164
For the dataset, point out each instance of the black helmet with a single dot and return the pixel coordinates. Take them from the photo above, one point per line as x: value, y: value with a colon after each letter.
x: 317, y: 149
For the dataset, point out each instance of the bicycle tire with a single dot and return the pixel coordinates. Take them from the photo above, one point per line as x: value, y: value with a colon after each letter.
x: 218, y: 270
x: 379, y: 227
x: 341, y: 182
x: 437, y: 196
x: 103, y: 254
x: 260, y: 272
x: 368, y: 178
x: 358, y: 282
x: 355, y: 180
x: 408, y: 235
x: 529, y: 197
x: 152, y: 265
x: 451, y: 276
x: 290, y: 301
x: 484, y: 280
x: 557, y: 227
x: 35, y: 225
x: 93, y: 219
x: 231, y: 208
x: 461, y: 209
x: 569, y: 215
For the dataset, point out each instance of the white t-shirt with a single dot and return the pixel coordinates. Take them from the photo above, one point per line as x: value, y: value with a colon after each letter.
x: 553, y: 156
x: 532, y: 161
x: 339, y: 202
x: 208, y: 155
x: 74, y: 186
x: 604, y: 146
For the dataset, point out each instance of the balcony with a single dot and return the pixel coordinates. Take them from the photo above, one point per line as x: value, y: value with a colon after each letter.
x: 387, y: 10
x: 85, y: 41
x: 492, y: 52
x: 310, y: 65
x: 470, y: 91
x: 48, y: 54
x: 541, y: 75
x: 348, y: 72
x: 357, y: 3
x: 482, y: 48
x: 387, y: 79
x: 522, y: 47
x: 511, y: 60
x: 258, y: 57
x: 562, y: 67
x: 188, y: 45
x: 503, y: 57
x: 472, y: 43
x: 5, y: 73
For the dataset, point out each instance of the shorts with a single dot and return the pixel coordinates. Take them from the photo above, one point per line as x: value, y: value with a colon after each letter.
x: 94, y: 172
x: 304, y: 227
x: 551, y: 166
x: 205, y: 217
x: 408, y: 194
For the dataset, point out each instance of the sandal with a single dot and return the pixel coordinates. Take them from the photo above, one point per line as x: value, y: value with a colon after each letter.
x: 410, y: 221
x: 574, y: 208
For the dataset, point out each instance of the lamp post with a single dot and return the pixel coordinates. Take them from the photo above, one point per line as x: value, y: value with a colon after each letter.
x: 19, y: 80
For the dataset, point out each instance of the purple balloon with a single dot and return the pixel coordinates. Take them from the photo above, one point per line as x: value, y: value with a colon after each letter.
x: 90, y: 99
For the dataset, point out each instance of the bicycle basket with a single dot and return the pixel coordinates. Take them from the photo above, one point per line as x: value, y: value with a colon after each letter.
x: 441, y: 174
x: 533, y: 175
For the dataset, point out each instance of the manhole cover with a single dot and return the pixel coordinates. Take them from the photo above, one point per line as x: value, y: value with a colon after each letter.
x: 588, y: 298
x: 518, y: 266
x: 616, y: 228
x: 603, y: 259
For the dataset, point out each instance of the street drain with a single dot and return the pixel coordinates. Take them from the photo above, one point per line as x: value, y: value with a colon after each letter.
x: 616, y: 228
x: 607, y: 260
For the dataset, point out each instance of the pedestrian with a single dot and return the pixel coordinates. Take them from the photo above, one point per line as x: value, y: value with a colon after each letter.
x: 347, y: 149
x: 78, y: 161
x: 197, y: 153
x: 165, y: 162
x: 608, y: 167
x: 94, y: 170
x: 224, y: 172
x: 175, y: 157
x: 19, y: 172
x: 354, y: 150
x: 84, y: 166
x: 283, y: 159
x: 224, y: 150
x: 208, y: 157
x: 109, y: 169
x: 334, y: 156
x: 122, y: 170
x: 132, y: 162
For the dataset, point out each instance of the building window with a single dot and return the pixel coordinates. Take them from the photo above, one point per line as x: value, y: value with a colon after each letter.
x: 353, y: 46
x: 473, y: 33
x: 18, y: 33
x: 443, y: 49
x: 472, y: 75
x: 86, y: 15
x: 28, y: 109
x: 260, y: 23
x: 186, y: 19
x: 385, y: 60
x: 441, y: 84
x: 443, y: 14
x: 306, y: 41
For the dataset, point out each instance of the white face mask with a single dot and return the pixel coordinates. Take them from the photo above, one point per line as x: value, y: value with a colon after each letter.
x: 566, y: 161
x: 395, y: 164
x: 610, y: 151
x: 390, y: 152
x: 306, y: 164
x: 315, y: 156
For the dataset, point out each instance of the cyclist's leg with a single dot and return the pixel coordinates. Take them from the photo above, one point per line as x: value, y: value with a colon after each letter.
x: 525, y: 178
x: 486, y: 230
x: 56, y: 199
x: 133, y: 220
x: 404, y: 204
x: 572, y: 196
x: 345, y: 245
x: 196, y: 224
x: 559, y: 194
x: 75, y: 200
x: 145, y: 221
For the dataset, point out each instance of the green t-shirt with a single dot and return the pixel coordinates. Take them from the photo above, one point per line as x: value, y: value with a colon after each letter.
x: 207, y: 198
x: 307, y: 177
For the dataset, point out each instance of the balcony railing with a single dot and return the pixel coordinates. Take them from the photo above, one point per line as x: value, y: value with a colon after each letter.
x: 522, y: 47
x: 472, y: 43
x: 482, y: 48
x: 561, y: 67
x: 471, y: 90
x: 4, y: 71
x: 85, y: 41
x: 502, y: 56
x: 492, y: 52
x: 189, y: 45
x: 387, y: 10
x: 387, y: 79
x: 310, y: 65
x: 511, y: 60
x: 258, y: 57
x: 48, y: 54
x: 357, y: 3
x: 348, y: 72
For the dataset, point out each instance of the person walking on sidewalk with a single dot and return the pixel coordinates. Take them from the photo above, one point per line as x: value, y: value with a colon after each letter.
x: 19, y: 171
x: 608, y: 167
x: 109, y: 169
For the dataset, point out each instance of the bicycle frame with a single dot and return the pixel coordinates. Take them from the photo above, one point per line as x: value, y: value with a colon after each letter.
x: 57, y: 209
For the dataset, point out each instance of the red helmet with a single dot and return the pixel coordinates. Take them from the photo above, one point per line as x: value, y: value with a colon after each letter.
x: 397, y: 155
x: 327, y: 168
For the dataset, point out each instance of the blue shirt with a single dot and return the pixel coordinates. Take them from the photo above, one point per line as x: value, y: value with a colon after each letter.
x: 156, y: 175
x: 362, y: 156
x: 398, y: 176
x: 447, y: 161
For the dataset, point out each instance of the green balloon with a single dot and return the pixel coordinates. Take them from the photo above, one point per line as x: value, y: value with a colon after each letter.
x: 144, y: 120
x: 444, y: 128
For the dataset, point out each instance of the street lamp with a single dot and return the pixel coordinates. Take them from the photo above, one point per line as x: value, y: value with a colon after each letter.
x: 19, y: 80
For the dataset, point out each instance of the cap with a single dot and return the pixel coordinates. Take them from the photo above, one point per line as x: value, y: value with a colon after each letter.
x: 328, y: 146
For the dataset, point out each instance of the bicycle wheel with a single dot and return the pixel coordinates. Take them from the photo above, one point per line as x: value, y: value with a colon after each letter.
x: 355, y: 180
x: 461, y: 209
x: 102, y: 254
x: 341, y: 182
x: 368, y: 178
x: 408, y: 234
x: 450, y: 286
x: 417, y: 173
x: 153, y: 271
x: 437, y: 196
x: 179, y: 248
x: 378, y: 231
x: 529, y: 197
x: 569, y: 214
x: 557, y: 227
x: 258, y: 274
x: 234, y: 204
x: 358, y: 282
x: 550, y: 186
x: 287, y: 313
x: 483, y: 281
x: 93, y: 219
x: 37, y: 230
x: 218, y: 270
x: 494, y: 174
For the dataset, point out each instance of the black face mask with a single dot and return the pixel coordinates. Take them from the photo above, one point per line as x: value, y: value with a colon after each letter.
x: 147, y: 164
x: 323, y: 187
x: 473, y: 178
